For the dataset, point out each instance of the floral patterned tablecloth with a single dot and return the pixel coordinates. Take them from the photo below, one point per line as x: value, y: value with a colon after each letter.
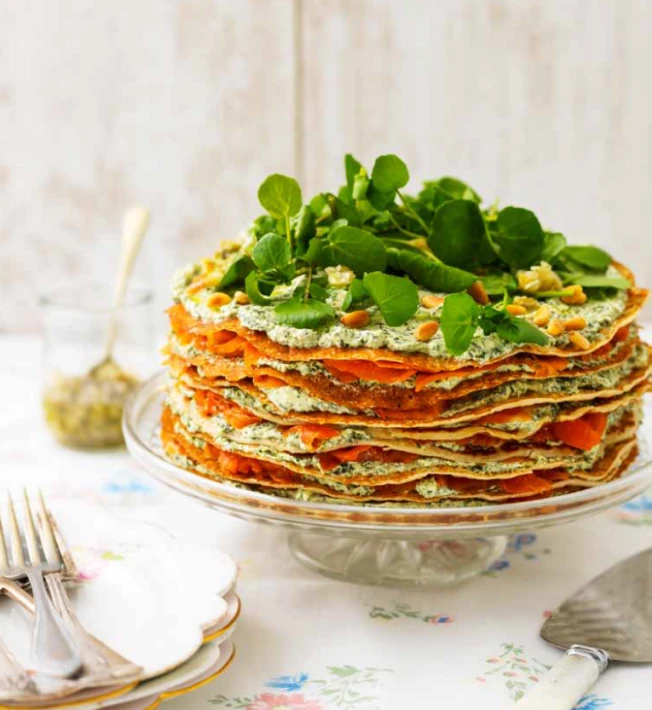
x: 308, y: 643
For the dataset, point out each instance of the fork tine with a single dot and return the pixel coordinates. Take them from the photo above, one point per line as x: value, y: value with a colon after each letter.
x: 49, y: 541
x: 17, y: 556
x: 30, y: 531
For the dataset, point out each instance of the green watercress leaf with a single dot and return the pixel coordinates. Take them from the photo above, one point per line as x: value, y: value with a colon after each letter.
x: 352, y: 168
x: 318, y: 291
x: 459, y: 236
x: 305, y: 229
x: 433, y: 275
x: 518, y: 237
x: 436, y: 192
x: 311, y: 314
x: 389, y: 174
x: 273, y: 256
x: 519, y: 330
x: 396, y: 241
x: 459, y: 320
x: 354, y: 248
x: 341, y: 210
x: 509, y: 327
x: 237, y: 272
x: 589, y: 257
x: 553, y: 244
x: 258, y: 289
x: 280, y: 195
x: 344, y: 195
x: 319, y: 205
x: 313, y: 255
x: 397, y: 297
x: 360, y: 186
x: 380, y: 200
x: 497, y: 284
x: 596, y: 281
x: 263, y: 225
x: 356, y: 295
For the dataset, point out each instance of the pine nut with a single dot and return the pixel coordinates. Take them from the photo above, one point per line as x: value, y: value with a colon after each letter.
x: 207, y: 265
x: 556, y: 327
x: 576, y: 298
x: 542, y: 316
x: 478, y: 293
x: 426, y: 331
x: 218, y: 300
x: 515, y: 310
x: 241, y: 298
x: 431, y: 301
x: 355, y: 319
x: 576, y: 323
x: 197, y: 284
x: 579, y: 341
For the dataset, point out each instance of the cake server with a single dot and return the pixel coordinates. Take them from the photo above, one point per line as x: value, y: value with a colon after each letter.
x: 610, y: 619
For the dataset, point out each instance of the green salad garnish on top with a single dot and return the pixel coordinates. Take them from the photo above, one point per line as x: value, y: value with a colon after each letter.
x: 442, y: 240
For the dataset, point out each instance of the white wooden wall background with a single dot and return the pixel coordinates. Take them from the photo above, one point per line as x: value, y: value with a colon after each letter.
x: 186, y: 105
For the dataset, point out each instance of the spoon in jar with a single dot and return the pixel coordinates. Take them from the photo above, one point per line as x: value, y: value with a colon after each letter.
x: 86, y: 411
x: 134, y: 228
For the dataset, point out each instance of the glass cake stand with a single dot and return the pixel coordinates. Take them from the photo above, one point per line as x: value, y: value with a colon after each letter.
x: 377, y: 544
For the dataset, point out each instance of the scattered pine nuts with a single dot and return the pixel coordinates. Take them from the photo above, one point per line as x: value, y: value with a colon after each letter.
x: 576, y: 298
x: 426, y: 331
x: 556, y: 327
x: 478, y: 293
x: 576, y: 323
x: 197, y: 284
x: 431, y: 301
x: 355, y: 319
x: 579, y: 341
x: 218, y: 300
x: 542, y: 316
x: 515, y: 310
x: 241, y: 298
x: 207, y: 265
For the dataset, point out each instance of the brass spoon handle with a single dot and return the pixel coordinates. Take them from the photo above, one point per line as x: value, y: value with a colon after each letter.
x: 134, y: 227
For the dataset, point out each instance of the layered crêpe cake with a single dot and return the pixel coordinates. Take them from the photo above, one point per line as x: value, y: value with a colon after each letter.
x: 374, y: 348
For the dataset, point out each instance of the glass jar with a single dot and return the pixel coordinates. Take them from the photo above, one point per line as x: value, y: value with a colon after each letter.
x: 83, y: 391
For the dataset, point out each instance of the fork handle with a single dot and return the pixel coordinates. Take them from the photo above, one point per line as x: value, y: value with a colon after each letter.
x: 53, y: 649
x: 97, y: 657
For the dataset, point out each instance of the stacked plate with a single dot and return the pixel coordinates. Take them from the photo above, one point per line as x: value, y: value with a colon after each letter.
x: 165, y: 604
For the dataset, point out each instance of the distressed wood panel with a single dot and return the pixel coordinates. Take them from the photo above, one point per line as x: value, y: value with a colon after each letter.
x: 183, y: 105
x: 546, y: 105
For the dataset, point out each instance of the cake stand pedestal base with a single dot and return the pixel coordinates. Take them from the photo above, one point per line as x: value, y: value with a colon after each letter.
x: 373, y: 560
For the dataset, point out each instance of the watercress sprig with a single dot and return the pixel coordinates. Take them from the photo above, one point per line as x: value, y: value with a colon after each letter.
x: 461, y: 316
x: 442, y: 239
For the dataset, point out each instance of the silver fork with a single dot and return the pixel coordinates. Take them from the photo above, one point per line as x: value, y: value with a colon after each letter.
x: 99, y: 660
x: 53, y: 649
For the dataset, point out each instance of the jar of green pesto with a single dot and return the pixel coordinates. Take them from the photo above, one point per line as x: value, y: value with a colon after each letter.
x: 83, y: 402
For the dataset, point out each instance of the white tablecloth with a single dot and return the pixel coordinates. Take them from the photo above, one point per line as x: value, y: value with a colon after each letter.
x: 308, y: 643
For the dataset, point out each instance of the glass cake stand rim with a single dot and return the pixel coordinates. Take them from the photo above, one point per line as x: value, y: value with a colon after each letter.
x: 143, y: 408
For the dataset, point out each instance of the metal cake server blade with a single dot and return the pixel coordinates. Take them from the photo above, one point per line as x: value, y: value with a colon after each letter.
x: 608, y: 619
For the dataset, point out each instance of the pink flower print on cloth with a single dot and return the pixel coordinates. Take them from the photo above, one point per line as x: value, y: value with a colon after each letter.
x: 296, y: 701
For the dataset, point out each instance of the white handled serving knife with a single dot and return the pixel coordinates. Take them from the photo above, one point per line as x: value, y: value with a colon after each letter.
x: 610, y: 619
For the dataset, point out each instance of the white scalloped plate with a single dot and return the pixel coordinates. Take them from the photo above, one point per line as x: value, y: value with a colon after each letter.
x: 146, y: 595
x: 206, y: 664
x: 224, y: 628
